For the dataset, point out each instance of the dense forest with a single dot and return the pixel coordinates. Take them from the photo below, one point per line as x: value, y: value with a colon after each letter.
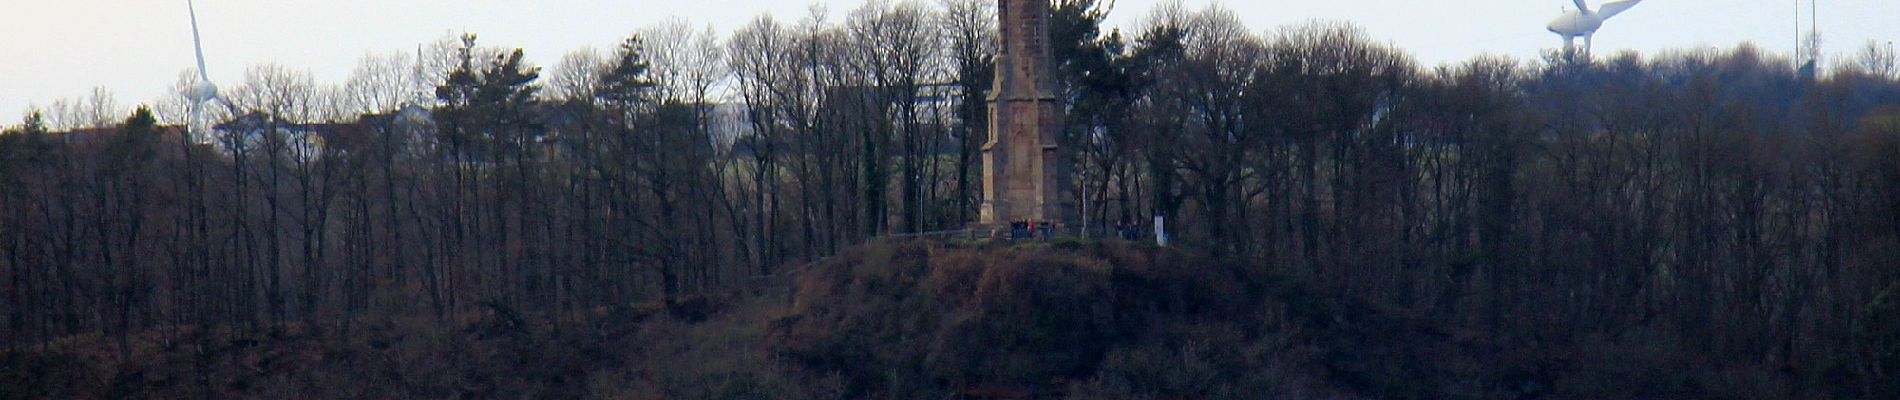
x: 1725, y: 203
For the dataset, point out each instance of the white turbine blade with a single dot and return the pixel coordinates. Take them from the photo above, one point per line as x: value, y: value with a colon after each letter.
x: 197, y: 43
x: 1614, y: 8
x: 1582, y: 8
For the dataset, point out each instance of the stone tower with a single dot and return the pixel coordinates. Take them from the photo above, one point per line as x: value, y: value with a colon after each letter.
x: 1024, y: 176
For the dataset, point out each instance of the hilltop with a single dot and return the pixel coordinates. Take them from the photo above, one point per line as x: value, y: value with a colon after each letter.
x: 893, y: 320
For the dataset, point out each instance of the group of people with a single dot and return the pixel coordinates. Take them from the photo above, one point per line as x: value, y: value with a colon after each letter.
x: 1127, y: 229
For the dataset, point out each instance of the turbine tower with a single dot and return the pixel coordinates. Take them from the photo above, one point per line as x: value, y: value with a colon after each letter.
x: 203, y: 91
x: 1584, y: 23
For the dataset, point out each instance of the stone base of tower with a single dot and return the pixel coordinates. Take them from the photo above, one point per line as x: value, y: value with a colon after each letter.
x: 1021, y: 230
x: 992, y: 225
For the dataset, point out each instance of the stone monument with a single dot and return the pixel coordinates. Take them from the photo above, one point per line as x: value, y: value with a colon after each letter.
x: 1025, y: 178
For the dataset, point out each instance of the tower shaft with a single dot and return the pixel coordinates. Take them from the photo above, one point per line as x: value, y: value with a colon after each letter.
x: 1025, y: 175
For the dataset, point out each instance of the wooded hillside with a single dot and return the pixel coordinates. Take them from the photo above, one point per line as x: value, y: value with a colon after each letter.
x: 1721, y: 205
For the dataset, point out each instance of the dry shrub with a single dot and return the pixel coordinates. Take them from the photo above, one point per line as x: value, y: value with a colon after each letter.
x: 920, y: 319
x: 35, y: 375
x: 1032, y: 318
x: 1200, y: 360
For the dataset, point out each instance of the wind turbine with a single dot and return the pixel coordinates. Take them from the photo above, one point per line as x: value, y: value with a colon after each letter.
x: 204, y: 91
x: 1584, y: 23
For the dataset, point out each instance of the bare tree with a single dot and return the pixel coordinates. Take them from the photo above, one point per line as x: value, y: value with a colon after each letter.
x: 576, y: 76
x: 969, y: 26
x: 688, y: 64
x: 1877, y: 59
x: 898, y: 51
x: 766, y: 81
x: 381, y: 83
x: 288, y: 95
x: 97, y: 109
x: 282, y: 99
x: 174, y: 106
x: 1211, y: 85
x: 688, y: 69
x: 101, y: 109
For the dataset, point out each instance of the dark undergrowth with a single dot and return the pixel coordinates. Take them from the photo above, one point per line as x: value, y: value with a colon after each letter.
x: 912, y: 320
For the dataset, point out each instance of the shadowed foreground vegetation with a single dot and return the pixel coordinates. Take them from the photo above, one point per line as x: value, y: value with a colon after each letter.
x: 918, y: 320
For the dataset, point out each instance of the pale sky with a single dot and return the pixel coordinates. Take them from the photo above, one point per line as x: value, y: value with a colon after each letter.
x: 53, y: 49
